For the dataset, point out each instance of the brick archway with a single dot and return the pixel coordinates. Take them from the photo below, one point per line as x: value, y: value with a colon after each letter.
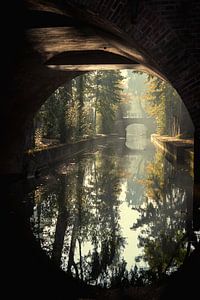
x: 161, y: 36
x: 154, y: 36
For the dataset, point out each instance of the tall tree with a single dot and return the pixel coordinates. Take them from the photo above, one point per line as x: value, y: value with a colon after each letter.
x: 81, y: 108
x: 164, y: 104
x: 108, y: 96
x: 80, y: 96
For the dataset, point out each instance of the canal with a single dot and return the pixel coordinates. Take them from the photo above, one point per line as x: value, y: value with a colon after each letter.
x: 118, y: 214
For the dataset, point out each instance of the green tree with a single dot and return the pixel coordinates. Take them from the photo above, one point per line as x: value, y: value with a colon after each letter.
x: 81, y: 108
x: 163, y: 103
x: 108, y: 97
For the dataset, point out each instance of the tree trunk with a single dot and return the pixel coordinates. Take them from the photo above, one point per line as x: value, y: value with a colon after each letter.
x: 80, y: 87
x: 69, y: 103
x: 72, y: 248
x: 61, y: 224
x: 77, y: 223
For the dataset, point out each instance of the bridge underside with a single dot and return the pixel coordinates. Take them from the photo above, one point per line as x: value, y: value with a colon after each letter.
x: 121, y: 125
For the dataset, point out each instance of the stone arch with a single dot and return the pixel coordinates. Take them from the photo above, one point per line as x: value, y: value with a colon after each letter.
x: 149, y: 33
x: 152, y: 34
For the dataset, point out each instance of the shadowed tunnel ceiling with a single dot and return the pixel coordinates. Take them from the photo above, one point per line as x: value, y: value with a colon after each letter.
x: 56, y: 41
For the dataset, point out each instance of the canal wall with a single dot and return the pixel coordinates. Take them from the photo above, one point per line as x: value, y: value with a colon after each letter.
x: 36, y: 161
x: 176, y: 150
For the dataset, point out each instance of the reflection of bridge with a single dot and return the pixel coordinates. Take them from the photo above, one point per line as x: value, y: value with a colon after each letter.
x: 119, y: 147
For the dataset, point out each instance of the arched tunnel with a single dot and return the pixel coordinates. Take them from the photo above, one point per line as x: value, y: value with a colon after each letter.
x: 47, y: 43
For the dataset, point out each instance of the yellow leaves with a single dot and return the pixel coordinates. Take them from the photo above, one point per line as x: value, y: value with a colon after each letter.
x: 38, y: 194
x: 150, y: 193
x: 155, y: 176
x: 38, y: 138
x: 142, y: 181
x: 150, y: 168
x: 124, y: 174
x: 71, y: 115
x: 126, y: 99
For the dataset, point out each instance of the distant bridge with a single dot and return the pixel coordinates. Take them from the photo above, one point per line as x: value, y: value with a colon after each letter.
x: 133, y: 120
x: 124, y: 122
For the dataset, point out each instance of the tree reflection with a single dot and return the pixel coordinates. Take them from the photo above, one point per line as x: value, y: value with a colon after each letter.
x: 163, y: 218
x: 62, y: 222
x: 103, y: 232
x: 45, y: 215
x: 77, y: 218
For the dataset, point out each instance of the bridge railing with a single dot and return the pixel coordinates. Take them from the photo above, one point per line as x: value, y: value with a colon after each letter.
x: 133, y: 116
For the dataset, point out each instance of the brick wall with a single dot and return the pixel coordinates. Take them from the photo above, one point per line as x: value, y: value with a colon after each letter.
x: 167, y: 33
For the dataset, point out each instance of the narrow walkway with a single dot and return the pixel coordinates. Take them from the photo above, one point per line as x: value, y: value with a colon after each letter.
x: 177, y: 142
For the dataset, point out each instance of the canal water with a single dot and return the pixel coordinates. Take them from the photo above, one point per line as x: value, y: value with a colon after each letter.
x: 120, y: 213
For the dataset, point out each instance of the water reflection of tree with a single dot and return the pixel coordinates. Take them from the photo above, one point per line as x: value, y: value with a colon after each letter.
x: 62, y: 222
x: 104, y: 232
x: 45, y: 215
x: 81, y: 208
x: 163, y: 218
